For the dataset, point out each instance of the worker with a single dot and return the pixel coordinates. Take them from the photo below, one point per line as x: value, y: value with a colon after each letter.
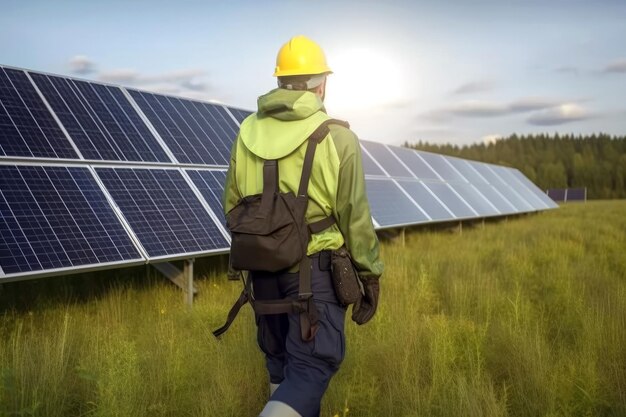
x: 300, y: 369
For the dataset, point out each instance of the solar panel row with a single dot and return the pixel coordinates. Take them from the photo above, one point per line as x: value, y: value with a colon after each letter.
x: 427, y: 187
x: 118, y: 176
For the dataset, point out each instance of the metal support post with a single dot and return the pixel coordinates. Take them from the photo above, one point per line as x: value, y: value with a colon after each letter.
x: 188, y: 276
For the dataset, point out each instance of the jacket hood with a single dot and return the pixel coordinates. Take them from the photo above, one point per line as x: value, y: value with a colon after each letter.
x: 289, y: 105
x: 284, y: 120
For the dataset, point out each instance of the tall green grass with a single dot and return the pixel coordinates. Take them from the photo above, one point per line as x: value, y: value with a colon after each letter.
x: 520, y: 318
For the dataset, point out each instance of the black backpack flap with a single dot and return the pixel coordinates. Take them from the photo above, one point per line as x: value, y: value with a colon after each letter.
x: 270, y: 244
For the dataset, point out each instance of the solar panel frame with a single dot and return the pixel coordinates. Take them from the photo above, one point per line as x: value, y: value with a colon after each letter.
x: 380, y: 212
x: 82, y: 222
x: 533, y: 188
x: 390, y: 164
x: 416, y: 165
x: 159, y: 240
x: 238, y: 114
x: 183, y: 125
x: 441, y: 166
x: 430, y: 203
x: 519, y: 188
x: 101, y: 121
x: 19, y: 95
x: 210, y: 183
x: 451, y: 199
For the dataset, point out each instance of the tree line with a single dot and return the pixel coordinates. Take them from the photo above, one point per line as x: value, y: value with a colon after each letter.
x: 596, y: 161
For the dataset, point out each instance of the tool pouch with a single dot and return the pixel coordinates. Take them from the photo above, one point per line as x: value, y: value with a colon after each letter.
x: 345, y: 278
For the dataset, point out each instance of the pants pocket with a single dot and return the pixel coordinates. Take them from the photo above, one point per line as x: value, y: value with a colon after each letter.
x: 330, y: 343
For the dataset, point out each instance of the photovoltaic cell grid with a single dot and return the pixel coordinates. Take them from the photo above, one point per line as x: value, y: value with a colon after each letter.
x: 390, y: 206
x: 195, y: 132
x: 211, y: 186
x: 239, y: 114
x: 57, y: 217
x: 27, y: 128
x: 162, y: 210
x: 100, y: 120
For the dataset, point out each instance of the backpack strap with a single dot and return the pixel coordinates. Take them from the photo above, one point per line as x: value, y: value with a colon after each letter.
x: 304, y: 304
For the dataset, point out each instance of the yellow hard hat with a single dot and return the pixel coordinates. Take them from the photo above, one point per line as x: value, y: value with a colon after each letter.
x: 300, y: 56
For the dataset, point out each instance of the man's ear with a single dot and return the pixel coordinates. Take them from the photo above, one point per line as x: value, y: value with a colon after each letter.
x: 321, y: 89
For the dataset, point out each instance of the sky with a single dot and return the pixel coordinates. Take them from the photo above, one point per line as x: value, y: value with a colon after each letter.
x: 457, y: 72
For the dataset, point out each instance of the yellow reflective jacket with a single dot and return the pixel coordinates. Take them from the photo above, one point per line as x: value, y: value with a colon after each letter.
x: 278, y: 130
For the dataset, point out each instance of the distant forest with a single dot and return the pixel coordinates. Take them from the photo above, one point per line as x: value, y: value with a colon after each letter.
x: 597, y: 162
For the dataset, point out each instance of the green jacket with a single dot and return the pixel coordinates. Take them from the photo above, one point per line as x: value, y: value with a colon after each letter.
x: 278, y: 130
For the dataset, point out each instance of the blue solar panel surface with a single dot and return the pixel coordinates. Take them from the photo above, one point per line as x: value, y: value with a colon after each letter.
x: 439, y: 164
x: 389, y: 205
x: 27, y: 128
x: 162, y: 210
x: 426, y: 200
x: 100, y: 120
x: 475, y: 199
x: 451, y: 200
x: 503, y: 188
x: 239, y: 114
x: 499, y: 201
x: 414, y: 163
x: 466, y: 170
x: 386, y: 159
x: 369, y: 166
x: 57, y: 217
x: 537, y: 191
x: 211, y: 185
x: 195, y: 132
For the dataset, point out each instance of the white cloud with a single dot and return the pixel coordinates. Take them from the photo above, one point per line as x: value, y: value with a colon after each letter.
x: 616, y: 66
x: 565, y: 113
x: 81, y: 64
x: 474, y: 87
x: 484, y: 109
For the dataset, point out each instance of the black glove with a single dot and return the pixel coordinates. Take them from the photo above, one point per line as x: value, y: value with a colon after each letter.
x: 364, y: 309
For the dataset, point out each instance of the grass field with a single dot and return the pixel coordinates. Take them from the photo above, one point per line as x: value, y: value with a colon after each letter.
x: 520, y: 318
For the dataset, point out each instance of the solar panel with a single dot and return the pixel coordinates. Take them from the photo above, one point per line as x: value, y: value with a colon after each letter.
x: 57, y: 218
x: 386, y: 159
x: 369, y: 166
x: 195, y: 132
x: 27, y: 128
x: 537, y: 191
x: 441, y: 166
x: 475, y: 199
x: 557, y: 194
x: 575, y: 194
x: 495, y: 198
x: 211, y: 186
x: 417, y: 165
x: 390, y: 206
x: 452, y: 201
x: 503, y: 188
x: 239, y: 114
x: 163, y: 211
x: 525, y: 193
x: 427, y: 200
x: 100, y: 120
x: 466, y: 170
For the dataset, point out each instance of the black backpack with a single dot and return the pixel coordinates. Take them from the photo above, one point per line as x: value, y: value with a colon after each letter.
x: 269, y: 233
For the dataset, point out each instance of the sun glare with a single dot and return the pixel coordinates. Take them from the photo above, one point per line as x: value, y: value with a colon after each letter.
x: 363, y: 79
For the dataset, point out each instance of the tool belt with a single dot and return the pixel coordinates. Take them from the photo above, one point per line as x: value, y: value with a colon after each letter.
x: 345, y: 277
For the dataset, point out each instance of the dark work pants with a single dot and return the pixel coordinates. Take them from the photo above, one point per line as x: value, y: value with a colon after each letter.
x: 303, y: 369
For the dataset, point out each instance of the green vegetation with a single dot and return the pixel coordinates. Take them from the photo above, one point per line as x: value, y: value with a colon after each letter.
x: 597, y: 162
x: 525, y: 317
